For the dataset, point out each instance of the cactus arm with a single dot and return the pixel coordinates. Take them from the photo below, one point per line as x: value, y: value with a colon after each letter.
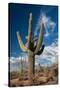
x: 41, y: 50
x: 30, y: 30
x: 40, y: 39
x: 21, y: 44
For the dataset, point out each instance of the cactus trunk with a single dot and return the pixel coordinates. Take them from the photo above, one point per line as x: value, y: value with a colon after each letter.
x: 31, y: 68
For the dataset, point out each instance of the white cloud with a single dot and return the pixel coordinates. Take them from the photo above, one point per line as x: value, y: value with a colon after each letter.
x: 50, y: 53
x: 14, y: 60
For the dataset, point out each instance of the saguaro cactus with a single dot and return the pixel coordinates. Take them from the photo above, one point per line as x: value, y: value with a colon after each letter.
x: 31, y: 49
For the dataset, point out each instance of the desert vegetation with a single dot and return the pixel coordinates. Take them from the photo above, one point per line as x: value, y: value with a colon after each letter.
x: 43, y: 76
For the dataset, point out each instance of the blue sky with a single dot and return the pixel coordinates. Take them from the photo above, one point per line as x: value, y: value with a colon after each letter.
x: 19, y: 18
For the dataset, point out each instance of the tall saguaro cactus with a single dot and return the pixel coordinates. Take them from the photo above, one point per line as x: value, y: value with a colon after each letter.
x: 31, y: 49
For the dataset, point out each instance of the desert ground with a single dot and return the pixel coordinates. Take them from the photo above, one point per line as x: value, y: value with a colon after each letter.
x: 43, y: 76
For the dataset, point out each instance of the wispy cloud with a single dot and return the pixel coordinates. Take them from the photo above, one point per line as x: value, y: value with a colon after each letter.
x: 49, y: 24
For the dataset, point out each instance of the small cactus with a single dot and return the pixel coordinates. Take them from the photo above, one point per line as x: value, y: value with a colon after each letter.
x: 21, y: 69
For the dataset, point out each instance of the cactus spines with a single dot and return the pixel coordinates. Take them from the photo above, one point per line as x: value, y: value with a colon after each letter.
x: 31, y: 49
